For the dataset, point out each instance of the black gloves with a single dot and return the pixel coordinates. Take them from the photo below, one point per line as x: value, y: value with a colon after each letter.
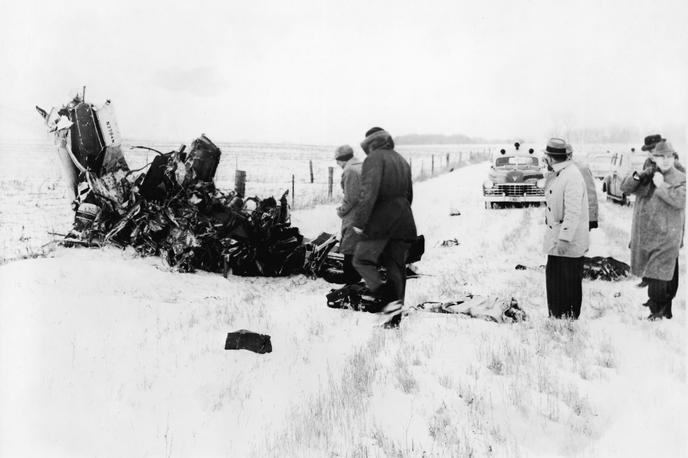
x: 646, y: 175
x: 592, y: 225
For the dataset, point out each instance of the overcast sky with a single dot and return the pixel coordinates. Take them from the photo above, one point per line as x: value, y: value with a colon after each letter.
x: 324, y: 72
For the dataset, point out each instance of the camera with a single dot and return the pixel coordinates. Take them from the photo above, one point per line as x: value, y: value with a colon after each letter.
x: 648, y: 172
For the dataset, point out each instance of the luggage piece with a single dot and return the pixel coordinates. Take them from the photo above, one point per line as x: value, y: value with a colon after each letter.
x: 247, y: 340
x: 89, y: 141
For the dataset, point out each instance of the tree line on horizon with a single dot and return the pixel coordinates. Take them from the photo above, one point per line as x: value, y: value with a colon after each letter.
x: 613, y: 134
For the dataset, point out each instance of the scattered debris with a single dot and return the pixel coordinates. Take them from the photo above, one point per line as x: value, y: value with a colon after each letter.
x: 331, y: 268
x: 596, y: 268
x: 354, y: 297
x: 450, y: 243
x: 247, y: 340
x: 490, y: 308
x: 602, y: 268
x: 454, y: 213
x: 173, y: 209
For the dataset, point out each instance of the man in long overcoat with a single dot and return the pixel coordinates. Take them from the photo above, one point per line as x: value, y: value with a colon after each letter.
x: 566, y: 232
x: 657, y: 227
x: 351, y: 188
x: 384, y: 217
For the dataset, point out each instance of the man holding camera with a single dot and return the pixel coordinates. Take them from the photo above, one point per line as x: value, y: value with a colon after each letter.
x: 657, y: 227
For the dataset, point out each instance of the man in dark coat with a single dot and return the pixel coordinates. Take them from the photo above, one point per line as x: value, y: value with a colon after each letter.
x: 657, y: 227
x: 351, y: 187
x: 384, y: 218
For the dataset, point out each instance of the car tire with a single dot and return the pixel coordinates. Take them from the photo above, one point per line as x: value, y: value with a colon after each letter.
x: 624, y: 200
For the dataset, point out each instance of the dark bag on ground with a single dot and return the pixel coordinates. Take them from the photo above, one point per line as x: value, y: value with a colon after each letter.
x: 247, y: 340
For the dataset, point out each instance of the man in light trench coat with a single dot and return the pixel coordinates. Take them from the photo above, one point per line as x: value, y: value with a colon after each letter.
x: 351, y: 187
x: 657, y: 227
x: 566, y: 232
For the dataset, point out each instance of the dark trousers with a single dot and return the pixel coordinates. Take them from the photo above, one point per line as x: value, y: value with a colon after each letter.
x: 389, y: 253
x: 350, y: 274
x: 564, y: 278
x: 662, y: 292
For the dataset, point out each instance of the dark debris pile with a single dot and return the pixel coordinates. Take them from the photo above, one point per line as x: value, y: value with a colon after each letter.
x: 175, y: 211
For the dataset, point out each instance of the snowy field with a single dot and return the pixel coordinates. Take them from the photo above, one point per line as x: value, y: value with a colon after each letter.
x: 105, y: 354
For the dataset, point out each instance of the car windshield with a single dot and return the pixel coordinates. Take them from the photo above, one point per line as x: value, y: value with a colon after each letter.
x: 516, y: 161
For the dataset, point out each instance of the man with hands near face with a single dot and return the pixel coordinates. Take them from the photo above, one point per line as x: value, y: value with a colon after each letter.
x: 566, y: 231
x: 657, y: 227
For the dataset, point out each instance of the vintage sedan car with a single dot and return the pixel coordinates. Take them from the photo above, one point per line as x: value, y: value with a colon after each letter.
x: 515, y: 178
x: 600, y: 164
x: 622, y: 164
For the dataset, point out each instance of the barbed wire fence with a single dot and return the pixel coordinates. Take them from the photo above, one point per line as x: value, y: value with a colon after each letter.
x: 320, y: 185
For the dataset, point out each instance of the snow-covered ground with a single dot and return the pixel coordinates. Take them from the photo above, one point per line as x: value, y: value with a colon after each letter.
x: 104, y: 353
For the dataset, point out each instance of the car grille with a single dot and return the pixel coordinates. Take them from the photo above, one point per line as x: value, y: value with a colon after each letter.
x: 514, y: 190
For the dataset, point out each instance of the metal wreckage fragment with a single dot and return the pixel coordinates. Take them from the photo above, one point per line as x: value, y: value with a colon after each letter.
x: 174, y: 209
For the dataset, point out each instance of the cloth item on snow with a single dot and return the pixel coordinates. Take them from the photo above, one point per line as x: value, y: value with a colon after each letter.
x: 247, y: 340
x: 490, y: 308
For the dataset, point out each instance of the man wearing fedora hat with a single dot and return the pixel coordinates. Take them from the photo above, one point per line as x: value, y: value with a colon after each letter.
x: 566, y: 231
x: 351, y: 188
x: 657, y: 226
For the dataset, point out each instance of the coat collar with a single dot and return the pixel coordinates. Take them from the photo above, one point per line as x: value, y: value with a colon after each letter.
x: 559, y: 166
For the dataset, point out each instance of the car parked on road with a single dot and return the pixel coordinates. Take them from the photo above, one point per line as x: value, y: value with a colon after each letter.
x: 515, y: 177
x: 622, y: 164
x: 600, y: 164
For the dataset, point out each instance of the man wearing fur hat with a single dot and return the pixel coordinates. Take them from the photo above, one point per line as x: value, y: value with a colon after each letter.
x: 566, y: 232
x: 384, y: 219
x: 657, y: 227
x: 351, y: 187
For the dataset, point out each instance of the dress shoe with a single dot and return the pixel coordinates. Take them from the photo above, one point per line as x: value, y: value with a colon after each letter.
x: 642, y: 284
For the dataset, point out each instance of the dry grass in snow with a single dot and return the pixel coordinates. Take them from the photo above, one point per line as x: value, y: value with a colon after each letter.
x: 107, y: 354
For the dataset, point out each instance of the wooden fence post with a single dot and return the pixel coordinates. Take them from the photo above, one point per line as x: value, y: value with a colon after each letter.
x: 240, y: 182
x: 292, y: 191
x: 310, y: 165
x: 330, y: 172
x: 447, y: 158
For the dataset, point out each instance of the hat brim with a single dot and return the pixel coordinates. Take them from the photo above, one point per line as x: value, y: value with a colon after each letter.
x: 648, y: 147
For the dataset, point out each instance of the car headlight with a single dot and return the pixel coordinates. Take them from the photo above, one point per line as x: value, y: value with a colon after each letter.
x: 487, y: 184
x: 540, y: 183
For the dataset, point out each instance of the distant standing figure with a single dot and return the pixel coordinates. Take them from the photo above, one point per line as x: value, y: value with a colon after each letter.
x: 384, y: 219
x: 593, y: 207
x: 351, y: 188
x: 657, y: 227
x: 566, y: 234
